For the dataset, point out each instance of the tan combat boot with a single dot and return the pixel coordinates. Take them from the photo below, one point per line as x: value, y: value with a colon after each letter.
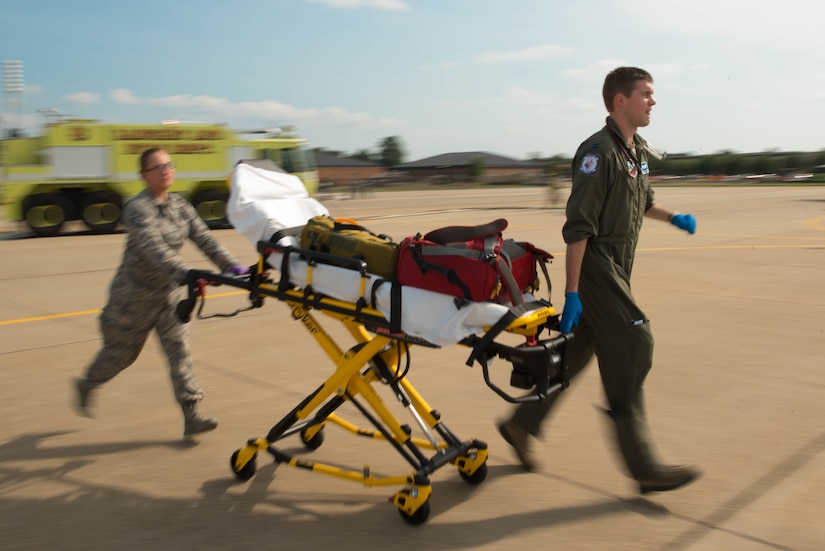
x: 193, y: 423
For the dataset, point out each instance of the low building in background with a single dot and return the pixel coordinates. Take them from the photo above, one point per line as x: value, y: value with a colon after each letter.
x: 473, y: 166
x: 344, y: 172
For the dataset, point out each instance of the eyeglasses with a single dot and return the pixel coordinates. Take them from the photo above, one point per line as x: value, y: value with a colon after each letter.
x: 160, y: 168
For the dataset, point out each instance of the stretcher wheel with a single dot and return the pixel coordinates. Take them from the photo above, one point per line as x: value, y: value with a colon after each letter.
x: 315, y: 442
x: 247, y: 471
x: 477, y: 477
x: 419, y: 517
x: 473, y: 466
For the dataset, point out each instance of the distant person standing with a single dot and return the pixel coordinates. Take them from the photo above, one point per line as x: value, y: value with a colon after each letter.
x: 147, y: 288
x: 609, y: 198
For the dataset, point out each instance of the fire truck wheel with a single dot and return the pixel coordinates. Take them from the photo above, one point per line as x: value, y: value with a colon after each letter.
x: 101, y: 211
x: 46, y: 213
x: 211, y: 206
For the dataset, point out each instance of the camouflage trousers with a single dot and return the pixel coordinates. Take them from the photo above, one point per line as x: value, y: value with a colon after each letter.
x: 126, y: 322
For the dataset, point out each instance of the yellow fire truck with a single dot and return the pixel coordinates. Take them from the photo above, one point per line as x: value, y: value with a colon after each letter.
x: 81, y: 169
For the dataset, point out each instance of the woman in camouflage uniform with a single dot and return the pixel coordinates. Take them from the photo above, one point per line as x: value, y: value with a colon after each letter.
x: 610, y: 196
x: 147, y: 288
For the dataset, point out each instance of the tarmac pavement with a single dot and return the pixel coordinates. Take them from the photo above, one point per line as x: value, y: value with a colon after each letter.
x: 738, y: 312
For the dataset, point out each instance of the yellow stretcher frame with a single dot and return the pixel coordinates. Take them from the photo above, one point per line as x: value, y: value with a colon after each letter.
x: 376, y: 358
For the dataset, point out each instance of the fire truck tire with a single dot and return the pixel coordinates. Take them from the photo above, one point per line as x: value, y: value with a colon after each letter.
x: 101, y: 211
x: 211, y: 206
x: 46, y: 213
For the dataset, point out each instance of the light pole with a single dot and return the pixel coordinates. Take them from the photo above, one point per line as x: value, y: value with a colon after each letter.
x: 14, y: 85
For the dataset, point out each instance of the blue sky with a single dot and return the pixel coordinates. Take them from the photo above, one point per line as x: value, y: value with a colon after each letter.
x: 510, y: 77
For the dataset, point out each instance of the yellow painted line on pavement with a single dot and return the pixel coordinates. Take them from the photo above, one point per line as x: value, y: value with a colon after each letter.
x: 53, y: 316
x: 88, y: 312
x: 729, y: 247
x: 558, y: 254
x: 815, y: 223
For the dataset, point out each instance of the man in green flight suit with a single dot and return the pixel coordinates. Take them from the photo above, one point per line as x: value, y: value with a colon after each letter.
x: 610, y: 197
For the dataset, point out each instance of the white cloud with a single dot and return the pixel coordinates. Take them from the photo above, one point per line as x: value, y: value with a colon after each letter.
x: 793, y: 24
x: 582, y: 105
x: 525, y: 97
x: 595, y: 72
x: 214, y: 108
x: 121, y: 95
x: 536, y: 53
x: 380, y: 4
x: 34, y: 90
x: 664, y: 70
x: 82, y: 98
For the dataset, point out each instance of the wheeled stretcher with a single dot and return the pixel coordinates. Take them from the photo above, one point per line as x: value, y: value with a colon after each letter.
x: 381, y: 318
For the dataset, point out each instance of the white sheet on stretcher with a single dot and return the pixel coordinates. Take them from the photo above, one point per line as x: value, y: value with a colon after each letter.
x: 264, y: 200
x: 431, y: 316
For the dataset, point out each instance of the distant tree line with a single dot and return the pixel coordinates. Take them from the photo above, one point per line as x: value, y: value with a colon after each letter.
x: 723, y: 163
x: 390, y: 152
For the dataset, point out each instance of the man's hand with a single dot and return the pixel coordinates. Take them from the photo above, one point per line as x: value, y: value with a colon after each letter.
x: 684, y: 222
x: 572, y: 311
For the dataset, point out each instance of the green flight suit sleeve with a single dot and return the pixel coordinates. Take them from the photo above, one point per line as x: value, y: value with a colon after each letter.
x: 592, y: 169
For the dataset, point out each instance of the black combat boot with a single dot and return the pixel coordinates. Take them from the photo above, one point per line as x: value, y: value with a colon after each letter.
x: 193, y: 423
x: 669, y: 478
x: 519, y: 439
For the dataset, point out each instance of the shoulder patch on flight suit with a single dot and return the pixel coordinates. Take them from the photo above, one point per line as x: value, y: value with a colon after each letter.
x: 590, y: 163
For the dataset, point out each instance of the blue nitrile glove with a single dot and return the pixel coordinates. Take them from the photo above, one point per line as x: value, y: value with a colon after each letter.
x: 572, y: 311
x: 239, y: 270
x: 684, y: 222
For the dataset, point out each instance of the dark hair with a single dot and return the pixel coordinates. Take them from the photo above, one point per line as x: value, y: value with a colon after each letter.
x: 621, y: 81
x: 145, y: 155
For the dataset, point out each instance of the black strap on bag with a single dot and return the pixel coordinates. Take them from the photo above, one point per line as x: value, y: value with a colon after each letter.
x: 272, y: 244
x: 538, y: 256
x: 395, y: 302
x: 294, y: 231
x: 481, y: 344
x: 453, y: 234
x: 458, y: 249
x: 509, y: 280
x: 542, y: 262
x: 338, y: 225
x: 488, y: 254
x: 449, y: 273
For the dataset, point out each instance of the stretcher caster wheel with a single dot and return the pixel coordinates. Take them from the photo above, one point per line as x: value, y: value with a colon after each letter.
x: 314, y: 442
x: 476, y: 477
x: 473, y: 466
x: 245, y: 471
x: 417, y: 518
x: 414, y: 502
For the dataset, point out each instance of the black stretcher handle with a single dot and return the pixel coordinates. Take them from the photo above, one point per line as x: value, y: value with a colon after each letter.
x: 543, y: 390
x: 315, y: 257
x: 195, y: 282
